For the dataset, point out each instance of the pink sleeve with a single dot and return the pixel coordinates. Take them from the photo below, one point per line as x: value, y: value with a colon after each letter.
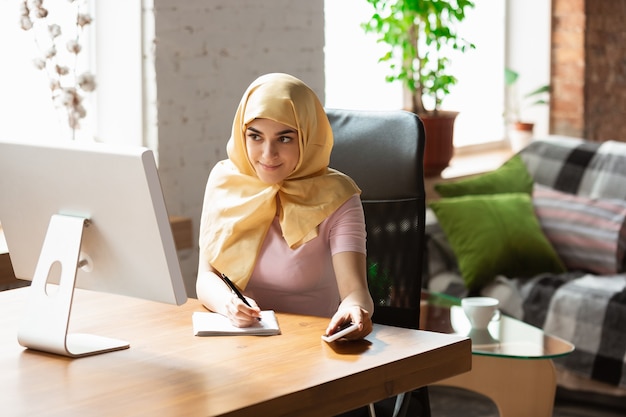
x: 347, y: 227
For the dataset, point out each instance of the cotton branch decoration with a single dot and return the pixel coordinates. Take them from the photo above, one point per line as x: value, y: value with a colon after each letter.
x: 58, y: 48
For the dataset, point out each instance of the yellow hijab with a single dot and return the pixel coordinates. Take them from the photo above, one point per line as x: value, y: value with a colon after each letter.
x: 239, y: 208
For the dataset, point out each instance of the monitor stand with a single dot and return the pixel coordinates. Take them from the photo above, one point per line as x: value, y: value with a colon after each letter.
x: 46, y: 322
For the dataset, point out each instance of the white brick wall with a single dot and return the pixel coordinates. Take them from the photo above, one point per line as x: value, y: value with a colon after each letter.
x: 206, y: 53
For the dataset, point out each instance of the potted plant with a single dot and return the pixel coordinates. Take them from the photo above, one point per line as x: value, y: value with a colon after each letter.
x: 521, y: 131
x: 420, y: 34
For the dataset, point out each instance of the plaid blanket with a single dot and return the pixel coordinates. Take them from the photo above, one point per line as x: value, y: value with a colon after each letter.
x: 590, y: 169
x: 590, y: 312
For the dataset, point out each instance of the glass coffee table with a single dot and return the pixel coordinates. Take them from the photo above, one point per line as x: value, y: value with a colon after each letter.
x: 511, y: 362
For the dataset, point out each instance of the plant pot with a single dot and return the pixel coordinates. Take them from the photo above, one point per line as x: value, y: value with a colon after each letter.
x: 524, y: 126
x: 520, y: 135
x: 439, y: 149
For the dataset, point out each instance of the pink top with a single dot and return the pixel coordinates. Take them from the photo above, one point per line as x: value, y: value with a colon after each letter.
x: 302, y: 280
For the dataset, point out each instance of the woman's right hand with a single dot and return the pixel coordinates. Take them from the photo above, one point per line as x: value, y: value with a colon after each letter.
x: 216, y: 296
x: 240, y: 315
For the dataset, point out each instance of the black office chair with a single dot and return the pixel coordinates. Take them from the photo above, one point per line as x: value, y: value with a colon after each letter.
x: 383, y: 152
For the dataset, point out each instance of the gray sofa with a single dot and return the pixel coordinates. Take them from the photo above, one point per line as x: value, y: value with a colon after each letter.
x: 578, y: 196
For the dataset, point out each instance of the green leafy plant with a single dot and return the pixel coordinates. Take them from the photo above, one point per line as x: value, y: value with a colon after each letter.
x: 516, y: 103
x: 420, y: 34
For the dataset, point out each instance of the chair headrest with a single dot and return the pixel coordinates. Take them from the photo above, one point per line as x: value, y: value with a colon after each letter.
x: 381, y: 150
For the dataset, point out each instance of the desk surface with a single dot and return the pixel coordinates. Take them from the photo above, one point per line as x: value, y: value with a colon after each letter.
x: 169, y: 372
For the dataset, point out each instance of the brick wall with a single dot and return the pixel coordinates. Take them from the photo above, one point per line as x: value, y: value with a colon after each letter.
x: 206, y: 53
x: 588, y: 74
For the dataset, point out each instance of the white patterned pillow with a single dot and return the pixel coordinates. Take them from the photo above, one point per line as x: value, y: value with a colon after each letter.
x: 588, y: 234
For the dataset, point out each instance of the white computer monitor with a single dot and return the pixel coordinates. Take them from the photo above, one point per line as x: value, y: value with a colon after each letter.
x: 85, y: 215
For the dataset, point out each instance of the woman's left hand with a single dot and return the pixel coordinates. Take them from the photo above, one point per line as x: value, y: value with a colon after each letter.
x: 352, y: 314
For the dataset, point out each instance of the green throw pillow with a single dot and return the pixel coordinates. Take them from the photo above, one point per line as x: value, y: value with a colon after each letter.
x: 495, y: 235
x: 511, y: 177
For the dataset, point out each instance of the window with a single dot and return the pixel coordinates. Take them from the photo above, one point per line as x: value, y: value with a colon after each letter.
x: 26, y: 100
x: 114, y: 110
x: 126, y: 97
x: 354, y: 78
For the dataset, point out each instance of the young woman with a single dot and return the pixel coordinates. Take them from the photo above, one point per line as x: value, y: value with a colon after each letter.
x: 285, y: 228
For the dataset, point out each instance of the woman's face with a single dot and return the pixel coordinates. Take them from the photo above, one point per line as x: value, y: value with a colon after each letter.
x: 272, y: 149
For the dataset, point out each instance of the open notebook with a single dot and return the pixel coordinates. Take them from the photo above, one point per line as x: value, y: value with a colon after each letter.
x: 213, y: 324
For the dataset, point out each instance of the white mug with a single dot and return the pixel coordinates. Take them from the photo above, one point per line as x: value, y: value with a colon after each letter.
x: 480, y: 310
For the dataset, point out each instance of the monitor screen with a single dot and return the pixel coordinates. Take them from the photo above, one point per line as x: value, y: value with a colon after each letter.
x: 103, y: 200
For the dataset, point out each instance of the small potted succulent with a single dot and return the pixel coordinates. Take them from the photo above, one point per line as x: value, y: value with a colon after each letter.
x: 520, y: 130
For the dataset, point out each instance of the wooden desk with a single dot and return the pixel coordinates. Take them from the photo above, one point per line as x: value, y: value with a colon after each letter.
x: 169, y: 372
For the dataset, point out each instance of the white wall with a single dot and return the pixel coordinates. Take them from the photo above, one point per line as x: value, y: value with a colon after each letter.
x: 206, y: 54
